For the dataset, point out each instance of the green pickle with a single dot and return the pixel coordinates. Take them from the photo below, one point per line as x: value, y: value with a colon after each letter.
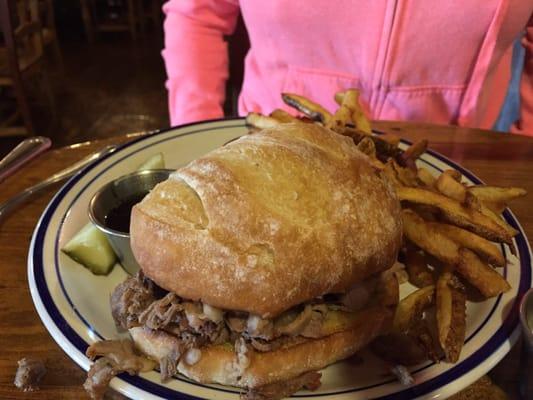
x: 90, y: 248
x: 157, y: 161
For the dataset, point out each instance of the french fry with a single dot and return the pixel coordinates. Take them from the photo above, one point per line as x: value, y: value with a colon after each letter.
x: 405, y: 175
x: 495, y: 194
x: 384, y: 149
x: 361, y: 121
x: 367, y: 146
x: 390, y: 173
x: 453, y: 173
x: 426, y: 336
x: 448, y: 186
x: 473, y: 202
x: 313, y: 110
x: 481, y: 246
x: 391, y: 139
x: 260, y: 121
x: 429, y: 239
x: 339, y: 97
x: 401, y: 275
x: 456, y: 213
x: 426, y: 177
x: 451, y: 315
x: 350, y: 99
x: 339, y: 120
x: 414, y: 151
x: 344, y: 114
x: 411, y: 307
x: 496, y: 208
x: 489, y: 282
x: 400, y: 348
x: 420, y: 275
x: 283, y: 116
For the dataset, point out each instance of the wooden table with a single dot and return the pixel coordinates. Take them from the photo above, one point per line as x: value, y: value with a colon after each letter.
x: 501, y: 159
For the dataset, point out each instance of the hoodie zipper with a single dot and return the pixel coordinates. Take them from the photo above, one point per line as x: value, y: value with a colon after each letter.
x: 379, y: 86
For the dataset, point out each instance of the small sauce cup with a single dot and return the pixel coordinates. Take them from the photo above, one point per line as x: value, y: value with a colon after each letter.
x: 110, y: 209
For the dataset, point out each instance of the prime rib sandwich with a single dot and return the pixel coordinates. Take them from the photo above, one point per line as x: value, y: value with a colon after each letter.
x: 262, y: 262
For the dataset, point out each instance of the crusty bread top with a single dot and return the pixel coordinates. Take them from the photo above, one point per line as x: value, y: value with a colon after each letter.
x: 268, y: 221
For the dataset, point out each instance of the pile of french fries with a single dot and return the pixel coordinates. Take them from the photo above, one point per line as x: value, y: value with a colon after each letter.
x: 452, y: 233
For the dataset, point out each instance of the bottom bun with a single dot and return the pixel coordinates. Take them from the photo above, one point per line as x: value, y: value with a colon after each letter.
x: 221, y: 364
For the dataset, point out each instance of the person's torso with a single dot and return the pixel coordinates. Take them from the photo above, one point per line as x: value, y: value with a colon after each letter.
x: 412, y: 60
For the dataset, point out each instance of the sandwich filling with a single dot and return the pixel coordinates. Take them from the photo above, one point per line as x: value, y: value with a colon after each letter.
x: 139, y: 302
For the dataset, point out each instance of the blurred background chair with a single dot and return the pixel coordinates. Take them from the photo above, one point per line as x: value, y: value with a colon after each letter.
x: 47, y: 19
x: 21, y: 58
x: 114, y: 16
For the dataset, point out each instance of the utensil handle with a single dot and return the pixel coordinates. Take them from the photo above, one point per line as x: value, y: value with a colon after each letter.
x: 13, y: 202
x: 22, y: 153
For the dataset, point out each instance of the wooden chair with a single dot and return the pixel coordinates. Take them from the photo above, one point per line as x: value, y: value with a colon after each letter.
x: 132, y: 21
x: 47, y: 18
x: 151, y: 10
x: 21, y: 56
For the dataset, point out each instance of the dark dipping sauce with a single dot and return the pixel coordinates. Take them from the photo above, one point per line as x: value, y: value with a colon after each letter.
x: 118, y: 218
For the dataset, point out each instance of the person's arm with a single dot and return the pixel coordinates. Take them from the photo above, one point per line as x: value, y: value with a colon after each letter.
x: 525, y: 124
x: 196, y: 56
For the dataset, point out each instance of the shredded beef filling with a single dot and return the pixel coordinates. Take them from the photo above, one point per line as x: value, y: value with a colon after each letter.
x: 29, y: 373
x: 130, y: 298
x: 140, y: 302
x: 116, y: 356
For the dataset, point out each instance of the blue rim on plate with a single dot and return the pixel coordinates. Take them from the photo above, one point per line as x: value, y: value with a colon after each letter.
x: 506, y: 330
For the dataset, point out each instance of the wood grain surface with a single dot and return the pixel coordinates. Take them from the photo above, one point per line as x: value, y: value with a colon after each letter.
x: 499, y: 159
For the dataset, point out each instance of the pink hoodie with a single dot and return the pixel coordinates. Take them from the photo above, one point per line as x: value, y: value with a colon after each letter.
x: 443, y: 61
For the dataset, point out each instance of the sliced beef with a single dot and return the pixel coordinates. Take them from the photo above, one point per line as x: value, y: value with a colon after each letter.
x: 279, y: 390
x: 296, y: 325
x: 215, y: 333
x: 168, y: 365
x: 163, y: 312
x: 29, y: 373
x: 261, y: 328
x: 117, y: 356
x: 313, y: 327
x: 194, y: 315
x: 184, y: 320
x: 138, y: 302
x: 282, y: 342
x: 98, y: 378
x: 130, y: 298
x: 121, y: 354
x: 236, y: 322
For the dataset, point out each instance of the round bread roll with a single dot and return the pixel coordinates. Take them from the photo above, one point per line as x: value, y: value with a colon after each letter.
x: 268, y: 221
x: 221, y: 364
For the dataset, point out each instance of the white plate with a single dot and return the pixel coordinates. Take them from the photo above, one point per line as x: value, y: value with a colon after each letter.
x: 74, y: 304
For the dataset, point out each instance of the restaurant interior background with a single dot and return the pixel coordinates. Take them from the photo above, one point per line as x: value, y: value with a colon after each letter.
x: 97, y: 73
